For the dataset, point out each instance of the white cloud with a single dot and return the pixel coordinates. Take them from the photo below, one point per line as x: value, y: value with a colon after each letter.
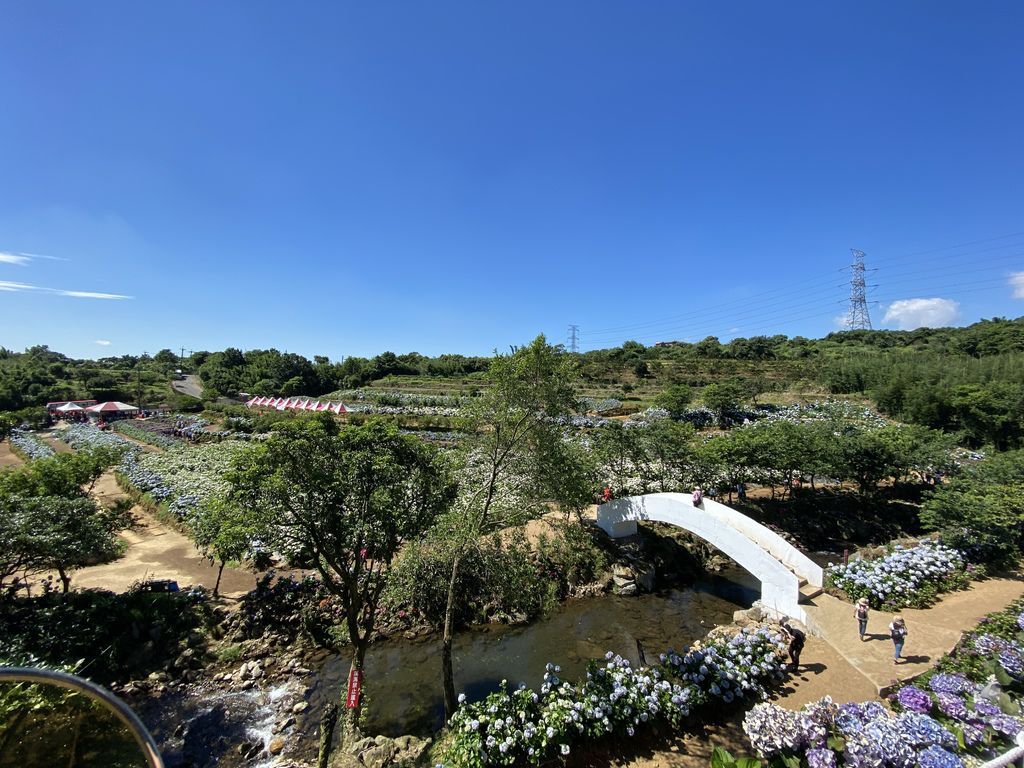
x: 14, y: 258
x: 7, y: 285
x: 102, y: 342
x: 1017, y: 283
x: 90, y: 294
x: 909, y: 314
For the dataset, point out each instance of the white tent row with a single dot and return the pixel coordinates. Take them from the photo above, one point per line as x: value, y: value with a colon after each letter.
x: 295, y: 404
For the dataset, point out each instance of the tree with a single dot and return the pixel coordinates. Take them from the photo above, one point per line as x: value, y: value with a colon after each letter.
x: 516, y: 461
x: 347, y: 502
x: 982, y: 511
x: 54, y: 533
x: 676, y: 399
x: 722, y: 397
x: 222, y: 532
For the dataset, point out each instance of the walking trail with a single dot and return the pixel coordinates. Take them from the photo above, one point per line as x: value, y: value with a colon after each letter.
x: 155, y: 551
x: 836, y: 664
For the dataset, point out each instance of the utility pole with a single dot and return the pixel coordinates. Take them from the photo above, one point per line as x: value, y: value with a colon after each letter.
x: 858, y: 319
x: 574, y: 338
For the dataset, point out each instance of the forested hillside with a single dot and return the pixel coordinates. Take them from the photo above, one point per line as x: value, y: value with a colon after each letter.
x: 968, y: 381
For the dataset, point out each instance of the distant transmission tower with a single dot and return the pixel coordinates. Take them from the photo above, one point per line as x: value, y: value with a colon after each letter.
x: 858, y: 319
x: 574, y: 338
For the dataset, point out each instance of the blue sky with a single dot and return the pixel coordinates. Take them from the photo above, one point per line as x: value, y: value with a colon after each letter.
x: 345, y: 178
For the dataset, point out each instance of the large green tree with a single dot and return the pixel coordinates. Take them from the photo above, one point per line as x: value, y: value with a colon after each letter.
x: 346, y: 502
x: 516, y: 461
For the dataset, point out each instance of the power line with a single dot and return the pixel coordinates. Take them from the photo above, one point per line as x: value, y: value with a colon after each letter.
x: 763, y: 296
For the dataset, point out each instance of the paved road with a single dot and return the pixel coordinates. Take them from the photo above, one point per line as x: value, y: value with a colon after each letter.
x: 190, y: 385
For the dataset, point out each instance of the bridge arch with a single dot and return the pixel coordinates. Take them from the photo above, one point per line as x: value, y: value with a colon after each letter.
x: 778, y: 565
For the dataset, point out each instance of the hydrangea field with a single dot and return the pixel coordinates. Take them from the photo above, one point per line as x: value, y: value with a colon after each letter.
x: 904, y: 577
x: 522, y: 725
x: 953, y: 716
x: 182, y: 477
x: 84, y: 436
x: 29, y: 445
x: 151, y: 432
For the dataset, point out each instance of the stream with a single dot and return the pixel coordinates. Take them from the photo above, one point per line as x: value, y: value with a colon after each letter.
x: 403, y: 677
x: 202, y: 727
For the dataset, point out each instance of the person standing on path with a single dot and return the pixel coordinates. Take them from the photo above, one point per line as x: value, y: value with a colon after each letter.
x: 698, y: 496
x: 796, y: 640
x: 898, y: 633
x: 860, y: 611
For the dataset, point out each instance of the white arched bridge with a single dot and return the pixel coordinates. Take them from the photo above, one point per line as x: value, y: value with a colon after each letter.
x: 780, y: 567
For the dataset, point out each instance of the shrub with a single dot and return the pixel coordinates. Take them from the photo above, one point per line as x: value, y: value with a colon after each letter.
x: 902, y: 578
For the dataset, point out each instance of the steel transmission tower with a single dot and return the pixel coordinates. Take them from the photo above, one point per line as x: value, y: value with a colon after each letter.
x: 858, y: 319
x: 574, y: 338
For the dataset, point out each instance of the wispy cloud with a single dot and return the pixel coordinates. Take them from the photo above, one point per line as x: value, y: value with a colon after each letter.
x: 14, y: 258
x: 11, y: 287
x: 909, y: 314
x: 21, y: 259
x: 102, y: 342
x: 1017, y: 283
x: 90, y: 294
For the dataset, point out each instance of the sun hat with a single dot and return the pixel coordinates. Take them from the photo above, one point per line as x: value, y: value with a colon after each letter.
x: 862, y: 601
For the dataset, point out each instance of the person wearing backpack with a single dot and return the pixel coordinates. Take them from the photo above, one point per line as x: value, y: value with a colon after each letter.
x: 860, y: 611
x: 898, y: 633
x: 796, y: 640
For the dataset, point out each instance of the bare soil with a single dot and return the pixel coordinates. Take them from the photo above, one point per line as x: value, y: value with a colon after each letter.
x: 9, y: 458
x: 156, y: 551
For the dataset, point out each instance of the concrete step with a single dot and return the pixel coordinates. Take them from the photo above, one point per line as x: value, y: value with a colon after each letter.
x: 808, y: 592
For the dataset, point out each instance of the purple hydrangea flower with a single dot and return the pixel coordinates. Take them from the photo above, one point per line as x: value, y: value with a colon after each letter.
x: 944, y: 682
x: 986, y: 708
x: 821, y: 758
x: 990, y: 644
x: 852, y: 717
x: 937, y: 757
x: 1012, y: 662
x: 1005, y: 724
x: 952, y: 705
x: 1020, y: 620
x: 914, y: 699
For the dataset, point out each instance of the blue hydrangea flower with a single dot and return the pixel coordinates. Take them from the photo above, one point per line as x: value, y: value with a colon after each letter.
x: 937, y: 757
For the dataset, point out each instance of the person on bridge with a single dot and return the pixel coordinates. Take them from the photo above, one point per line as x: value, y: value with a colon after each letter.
x: 860, y: 611
x: 898, y: 633
x: 698, y: 496
x: 796, y: 640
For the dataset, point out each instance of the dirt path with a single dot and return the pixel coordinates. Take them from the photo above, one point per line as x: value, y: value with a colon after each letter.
x: 155, y: 551
x: 9, y: 458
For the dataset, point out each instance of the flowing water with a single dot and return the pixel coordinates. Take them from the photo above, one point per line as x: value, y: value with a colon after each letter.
x: 202, y: 727
x: 403, y: 677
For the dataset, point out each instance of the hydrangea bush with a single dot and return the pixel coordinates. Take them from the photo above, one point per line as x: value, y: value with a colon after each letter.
x: 29, y: 445
x: 146, y: 432
x: 525, y: 726
x: 182, y: 477
x: 953, y: 716
x: 903, y: 577
x: 85, y: 436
